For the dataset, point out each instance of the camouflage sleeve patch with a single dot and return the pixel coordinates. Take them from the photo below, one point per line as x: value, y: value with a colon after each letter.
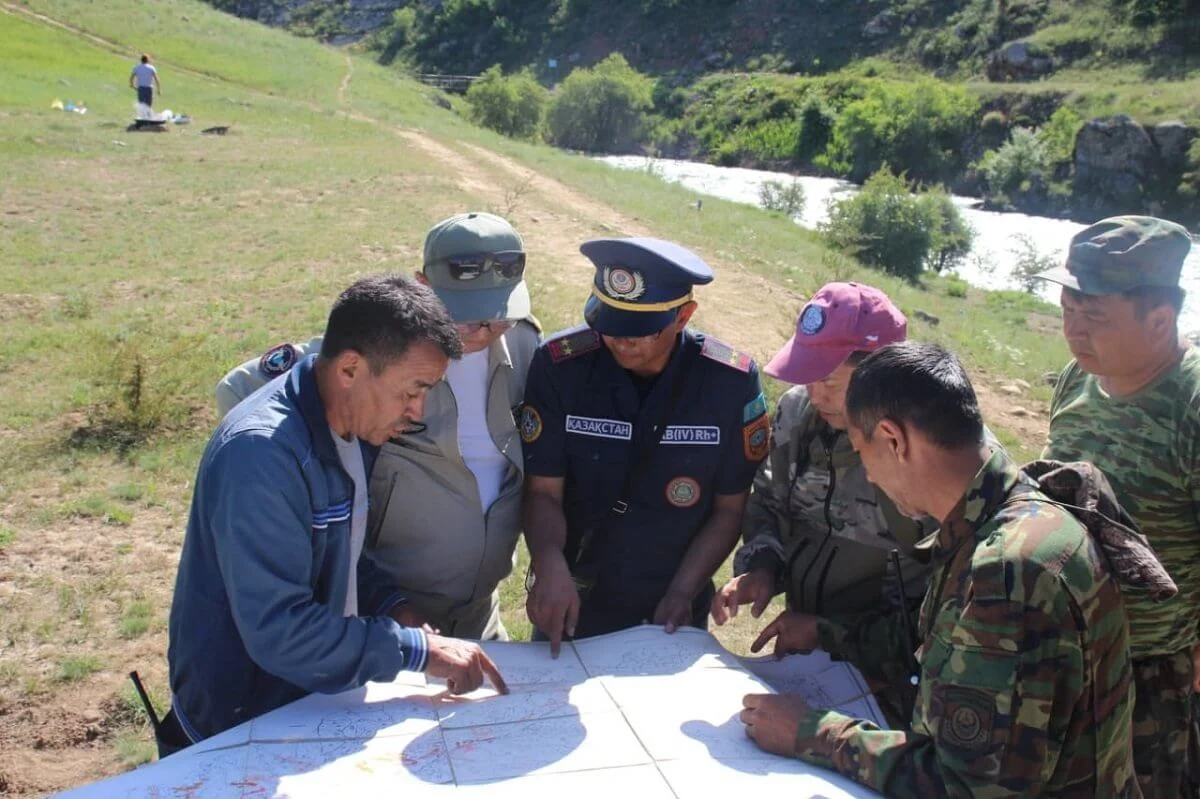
x: 756, y: 439
x: 572, y: 344
x: 278, y: 360
x: 719, y: 351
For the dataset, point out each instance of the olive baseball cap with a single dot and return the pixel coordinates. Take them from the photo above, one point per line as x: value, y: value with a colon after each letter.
x: 475, y: 263
x: 1121, y: 253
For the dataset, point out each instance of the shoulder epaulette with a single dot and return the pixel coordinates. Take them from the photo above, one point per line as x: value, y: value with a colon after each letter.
x: 719, y: 351
x: 572, y: 343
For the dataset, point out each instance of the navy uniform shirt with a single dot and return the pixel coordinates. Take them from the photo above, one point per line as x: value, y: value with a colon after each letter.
x: 581, y: 416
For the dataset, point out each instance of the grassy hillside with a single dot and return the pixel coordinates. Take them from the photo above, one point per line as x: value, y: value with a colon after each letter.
x: 135, y: 269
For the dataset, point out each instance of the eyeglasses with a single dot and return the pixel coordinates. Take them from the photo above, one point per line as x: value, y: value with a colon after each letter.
x: 471, y: 328
x: 509, y: 264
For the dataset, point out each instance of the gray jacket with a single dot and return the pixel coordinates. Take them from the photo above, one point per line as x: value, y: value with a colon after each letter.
x: 426, y: 528
x: 825, y: 531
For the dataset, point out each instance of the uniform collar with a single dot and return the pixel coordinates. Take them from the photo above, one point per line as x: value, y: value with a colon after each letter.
x: 499, y: 354
x: 987, y: 492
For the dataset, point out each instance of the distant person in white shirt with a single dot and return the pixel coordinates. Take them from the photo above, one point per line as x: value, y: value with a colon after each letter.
x: 445, y: 497
x: 144, y: 78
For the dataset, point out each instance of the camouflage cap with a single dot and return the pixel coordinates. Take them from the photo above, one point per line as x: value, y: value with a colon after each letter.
x: 1122, y: 253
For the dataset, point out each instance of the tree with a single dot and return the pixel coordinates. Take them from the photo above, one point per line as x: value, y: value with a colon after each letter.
x: 602, y: 109
x: 887, y: 227
x: 775, y: 195
x: 920, y: 125
x: 511, y: 105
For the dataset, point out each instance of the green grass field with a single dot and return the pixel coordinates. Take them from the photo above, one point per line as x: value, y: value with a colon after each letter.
x: 136, y: 268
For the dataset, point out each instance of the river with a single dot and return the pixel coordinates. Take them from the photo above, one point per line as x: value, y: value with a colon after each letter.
x: 992, y: 258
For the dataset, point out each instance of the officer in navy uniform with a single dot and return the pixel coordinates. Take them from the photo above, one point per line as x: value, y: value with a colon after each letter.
x: 642, y: 439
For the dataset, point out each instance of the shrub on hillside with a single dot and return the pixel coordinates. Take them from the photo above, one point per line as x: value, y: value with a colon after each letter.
x: 1189, y: 186
x: 775, y: 195
x: 816, y: 128
x: 921, y: 125
x: 1059, y: 132
x: 1021, y: 166
x: 512, y: 104
x: 887, y: 227
x: 1030, y: 262
x: 602, y: 109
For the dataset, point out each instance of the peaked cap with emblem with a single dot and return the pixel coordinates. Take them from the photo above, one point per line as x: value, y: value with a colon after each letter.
x: 640, y: 284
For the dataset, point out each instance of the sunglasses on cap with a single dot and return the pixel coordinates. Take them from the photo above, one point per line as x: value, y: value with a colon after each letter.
x: 509, y: 264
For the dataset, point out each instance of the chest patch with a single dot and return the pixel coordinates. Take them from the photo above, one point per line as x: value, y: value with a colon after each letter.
x: 709, y: 435
x: 600, y: 428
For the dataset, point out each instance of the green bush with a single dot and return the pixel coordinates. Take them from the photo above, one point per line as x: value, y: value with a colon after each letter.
x: 1189, y: 186
x: 887, y: 227
x: 602, y: 109
x: 951, y: 236
x: 816, y: 128
x: 1021, y: 166
x: 1059, y: 132
x: 921, y: 125
x: 512, y: 104
x: 775, y: 195
x: 1029, y: 263
x: 993, y: 123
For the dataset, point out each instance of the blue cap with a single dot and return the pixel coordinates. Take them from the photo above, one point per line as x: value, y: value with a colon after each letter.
x: 640, y: 284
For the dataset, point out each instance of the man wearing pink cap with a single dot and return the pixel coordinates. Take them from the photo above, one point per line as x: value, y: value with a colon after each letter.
x: 814, y: 526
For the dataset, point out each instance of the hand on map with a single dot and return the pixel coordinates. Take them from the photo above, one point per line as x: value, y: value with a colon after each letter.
x: 674, y: 611
x: 757, y: 586
x: 553, y: 604
x: 462, y: 664
x: 773, y: 721
x: 793, y: 632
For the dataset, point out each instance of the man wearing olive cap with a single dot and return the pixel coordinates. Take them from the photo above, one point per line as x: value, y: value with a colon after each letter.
x: 642, y: 438
x: 1130, y: 403
x: 445, y: 497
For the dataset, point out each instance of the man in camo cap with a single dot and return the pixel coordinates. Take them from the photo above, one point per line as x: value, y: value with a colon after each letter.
x: 1130, y: 403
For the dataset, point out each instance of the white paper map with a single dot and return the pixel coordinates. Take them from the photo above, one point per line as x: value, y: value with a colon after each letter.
x: 637, y: 713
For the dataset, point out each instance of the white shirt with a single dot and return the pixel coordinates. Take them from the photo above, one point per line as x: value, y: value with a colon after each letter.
x: 351, y: 458
x: 468, y: 378
x: 145, y: 75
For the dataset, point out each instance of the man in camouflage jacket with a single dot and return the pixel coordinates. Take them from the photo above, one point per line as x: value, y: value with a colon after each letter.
x: 1130, y: 403
x: 1024, y: 663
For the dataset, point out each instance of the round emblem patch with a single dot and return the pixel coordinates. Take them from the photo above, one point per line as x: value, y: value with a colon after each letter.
x: 277, y: 360
x: 812, y: 320
x: 530, y: 424
x: 683, y: 492
x: 966, y: 727
x: 625, y: 284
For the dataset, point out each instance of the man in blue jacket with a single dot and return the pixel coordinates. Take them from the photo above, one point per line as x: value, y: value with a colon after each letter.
x: 272, y: 600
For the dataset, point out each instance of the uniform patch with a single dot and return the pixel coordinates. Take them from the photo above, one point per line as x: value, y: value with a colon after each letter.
x: 530, y: 424
x: 278, y: 360
x: 756, y: 437
x: 812, y: 319
x: 600, y: 428
x: 754, y: 409
x: 623, y: 284
x: 721, y: 352
x: 683, y: 492
x: 689, y: 434
x: 967, y: 717
x: 570, y: 345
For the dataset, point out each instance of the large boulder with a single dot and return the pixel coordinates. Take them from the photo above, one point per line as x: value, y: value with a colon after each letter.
x: 880, y: 25
x: 1114, y: 159
x: 1016, y: 61
x: 1173, y: 140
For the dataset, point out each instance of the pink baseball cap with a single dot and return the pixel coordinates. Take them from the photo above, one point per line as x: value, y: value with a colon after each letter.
x: 840, y: 319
